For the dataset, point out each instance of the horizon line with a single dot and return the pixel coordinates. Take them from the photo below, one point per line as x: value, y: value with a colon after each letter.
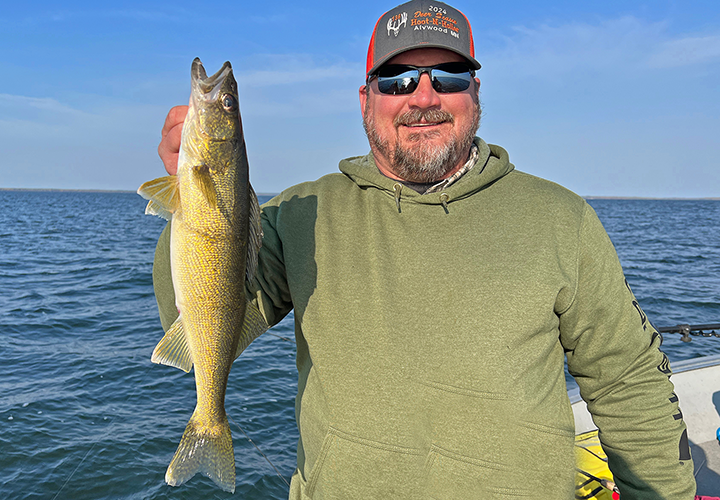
x: 586, y: 197
x: 62, y: 190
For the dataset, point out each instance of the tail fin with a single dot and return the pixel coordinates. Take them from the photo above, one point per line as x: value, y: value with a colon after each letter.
x: 204, y: 449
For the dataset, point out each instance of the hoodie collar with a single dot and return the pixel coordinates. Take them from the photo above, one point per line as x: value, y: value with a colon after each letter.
x: 492, y: 163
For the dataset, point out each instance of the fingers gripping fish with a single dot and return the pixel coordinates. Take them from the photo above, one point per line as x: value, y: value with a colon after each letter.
x: 215, y: 237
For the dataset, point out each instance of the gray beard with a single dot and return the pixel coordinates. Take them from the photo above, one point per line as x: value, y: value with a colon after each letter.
x: 423, y: 162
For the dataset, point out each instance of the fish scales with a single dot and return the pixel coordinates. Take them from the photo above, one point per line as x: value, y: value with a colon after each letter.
x: 215, y: 236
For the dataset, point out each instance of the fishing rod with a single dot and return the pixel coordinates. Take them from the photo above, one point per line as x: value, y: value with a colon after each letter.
x: 604, y: 483
x: 695, y: 330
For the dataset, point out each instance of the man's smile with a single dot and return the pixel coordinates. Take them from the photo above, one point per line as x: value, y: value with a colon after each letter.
x: 424, y: 124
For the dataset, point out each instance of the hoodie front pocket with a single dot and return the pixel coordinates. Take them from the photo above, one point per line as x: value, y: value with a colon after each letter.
x: 450, y: 476
x: 350, y: 467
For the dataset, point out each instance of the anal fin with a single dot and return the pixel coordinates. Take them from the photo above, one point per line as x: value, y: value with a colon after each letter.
x: 173, y: 349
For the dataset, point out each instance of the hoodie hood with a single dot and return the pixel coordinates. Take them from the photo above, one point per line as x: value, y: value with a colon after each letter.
x: 492, y: 164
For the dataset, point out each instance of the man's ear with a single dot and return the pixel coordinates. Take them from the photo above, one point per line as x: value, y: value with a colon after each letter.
x: 363, y: 94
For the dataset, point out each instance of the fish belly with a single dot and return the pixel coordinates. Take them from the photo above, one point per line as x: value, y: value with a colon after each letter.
x: 209, y: 280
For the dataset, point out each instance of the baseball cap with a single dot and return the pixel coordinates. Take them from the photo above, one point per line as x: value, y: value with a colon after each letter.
x: 416, y: 24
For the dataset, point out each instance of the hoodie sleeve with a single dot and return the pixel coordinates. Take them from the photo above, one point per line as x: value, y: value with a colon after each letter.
x: 162, y: 280
x: 613, y: 353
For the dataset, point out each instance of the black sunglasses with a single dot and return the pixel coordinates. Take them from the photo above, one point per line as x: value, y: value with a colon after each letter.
x: 446, y: 78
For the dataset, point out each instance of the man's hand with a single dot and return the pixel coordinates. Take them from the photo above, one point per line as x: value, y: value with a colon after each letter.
x: 169, y: 147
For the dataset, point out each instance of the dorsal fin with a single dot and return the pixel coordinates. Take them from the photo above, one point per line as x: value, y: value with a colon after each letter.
x: 254, y: 323
x: 255, y: 235
x: 253, y: 326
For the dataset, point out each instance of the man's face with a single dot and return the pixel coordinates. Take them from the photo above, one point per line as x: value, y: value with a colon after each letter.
x: 424, y: 136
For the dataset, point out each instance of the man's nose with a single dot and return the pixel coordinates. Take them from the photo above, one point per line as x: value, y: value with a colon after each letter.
x: 425, y: 95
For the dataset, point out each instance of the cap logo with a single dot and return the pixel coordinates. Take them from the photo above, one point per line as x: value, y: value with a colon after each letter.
x: 436, y: 20
x: 395, y: 22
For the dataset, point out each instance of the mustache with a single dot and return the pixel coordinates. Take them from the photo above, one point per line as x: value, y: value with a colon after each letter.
x: 417, y: 115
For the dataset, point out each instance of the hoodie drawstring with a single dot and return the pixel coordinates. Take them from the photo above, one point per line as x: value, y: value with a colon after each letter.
x: 397, y: 188
x: 444, y: 198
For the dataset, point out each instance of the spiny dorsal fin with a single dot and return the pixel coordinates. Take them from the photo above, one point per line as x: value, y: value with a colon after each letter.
x: 201, y: 174
x: 255, y: 235
x: 164, y: 196
x: 254, y: 323
x: 173, y: 349
x: 253, y: 326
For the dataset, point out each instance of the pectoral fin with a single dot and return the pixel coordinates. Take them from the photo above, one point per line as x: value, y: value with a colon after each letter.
x: 164, y: 196
x: 173, y: 349
x: 201, y: 175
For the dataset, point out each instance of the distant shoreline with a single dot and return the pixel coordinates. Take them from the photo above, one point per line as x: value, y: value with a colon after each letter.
x: 275, y: 194
x: 52, y: 190
x: 67, y: 190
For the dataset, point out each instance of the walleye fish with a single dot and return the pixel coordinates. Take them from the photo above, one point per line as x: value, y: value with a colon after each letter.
x: 215, y: 237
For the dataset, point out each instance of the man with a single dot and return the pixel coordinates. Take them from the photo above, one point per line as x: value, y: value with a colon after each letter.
x: 436, y: 291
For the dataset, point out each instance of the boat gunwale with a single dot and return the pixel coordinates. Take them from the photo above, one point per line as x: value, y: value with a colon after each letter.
x: 681, y: 366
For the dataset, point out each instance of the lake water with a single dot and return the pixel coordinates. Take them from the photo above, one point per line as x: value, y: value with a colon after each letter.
x: 84, y: 414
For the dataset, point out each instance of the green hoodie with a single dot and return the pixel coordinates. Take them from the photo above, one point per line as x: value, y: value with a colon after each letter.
x: 431, y: 333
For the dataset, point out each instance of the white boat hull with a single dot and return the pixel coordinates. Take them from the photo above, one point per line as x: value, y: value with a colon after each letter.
x: 697, y: 385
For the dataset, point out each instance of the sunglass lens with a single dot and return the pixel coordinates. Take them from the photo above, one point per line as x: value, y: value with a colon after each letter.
x: 445, y: 82
x: 403, y: 83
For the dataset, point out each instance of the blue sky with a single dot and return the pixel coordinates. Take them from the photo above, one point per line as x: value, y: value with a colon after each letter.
x: 608, y: 98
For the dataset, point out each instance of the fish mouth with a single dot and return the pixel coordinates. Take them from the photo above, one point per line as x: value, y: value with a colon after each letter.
x: 214, y: 103
x: 208, y: 85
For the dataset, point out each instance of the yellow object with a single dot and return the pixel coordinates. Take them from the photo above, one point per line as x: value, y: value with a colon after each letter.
x: 593, y: 480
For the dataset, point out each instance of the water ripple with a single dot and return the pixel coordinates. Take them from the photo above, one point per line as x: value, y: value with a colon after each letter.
x: 86, y: 415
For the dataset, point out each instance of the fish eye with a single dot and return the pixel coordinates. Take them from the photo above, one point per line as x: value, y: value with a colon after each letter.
x: 229, y: 102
